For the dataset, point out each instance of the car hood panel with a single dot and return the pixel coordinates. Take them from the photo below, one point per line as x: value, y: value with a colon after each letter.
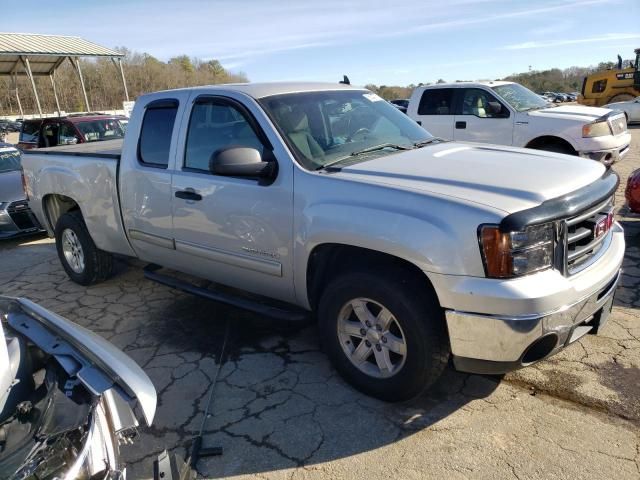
x: 571, y: 112
x: 505, y: 178
x: 99, y: 365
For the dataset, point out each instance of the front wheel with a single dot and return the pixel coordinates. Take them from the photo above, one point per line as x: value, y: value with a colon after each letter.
x: 556, y: 147
x: 81, y: 259
x: 385, y: 336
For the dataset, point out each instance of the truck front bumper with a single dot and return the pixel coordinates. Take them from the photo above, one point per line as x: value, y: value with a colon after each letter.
x: 491, y: 333
x: 607, y: 154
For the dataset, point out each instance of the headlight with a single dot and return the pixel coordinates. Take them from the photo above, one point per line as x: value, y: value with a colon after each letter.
x: 597, y: 128
x: 98, y: 455
x: 512, y: 254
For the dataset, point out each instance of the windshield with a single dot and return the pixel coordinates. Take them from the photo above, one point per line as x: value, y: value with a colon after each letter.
x: 103, y: 129
x: 9, y: 160
x: 520, y: 98
x: 323, y: 127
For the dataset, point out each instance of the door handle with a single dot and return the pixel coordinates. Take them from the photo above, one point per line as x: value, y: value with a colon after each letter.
x: 461, y: 125
x: 189, y: 194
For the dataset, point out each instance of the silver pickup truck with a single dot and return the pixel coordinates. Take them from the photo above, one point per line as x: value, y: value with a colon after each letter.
x: 410, y: 250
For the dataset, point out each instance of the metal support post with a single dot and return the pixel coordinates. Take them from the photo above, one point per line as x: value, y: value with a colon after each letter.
x: 27, y: 67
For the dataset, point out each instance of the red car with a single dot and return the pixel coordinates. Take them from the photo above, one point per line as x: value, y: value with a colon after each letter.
x: 50, y: 132
x: 633, y: 191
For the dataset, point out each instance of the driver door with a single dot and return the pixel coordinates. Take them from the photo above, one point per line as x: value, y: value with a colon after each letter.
x: 476, y: 122
x: 231, y: 230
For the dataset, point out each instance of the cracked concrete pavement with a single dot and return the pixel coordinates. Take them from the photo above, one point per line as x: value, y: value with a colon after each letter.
x: 281, y: 412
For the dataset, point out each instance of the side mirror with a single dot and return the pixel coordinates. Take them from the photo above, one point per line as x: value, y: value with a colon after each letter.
x: 495, y: 107
x: 240, y: 162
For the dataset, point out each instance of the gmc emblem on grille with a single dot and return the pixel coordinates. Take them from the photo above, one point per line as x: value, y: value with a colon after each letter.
x: 603, y: 225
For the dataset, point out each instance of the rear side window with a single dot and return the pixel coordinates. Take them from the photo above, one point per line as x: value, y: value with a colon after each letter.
x: 155, y: 135
x: 29, y: 132
x: 436, y: 101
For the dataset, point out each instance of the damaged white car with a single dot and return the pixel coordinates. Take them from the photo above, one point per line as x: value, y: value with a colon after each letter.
x: 68, y: 398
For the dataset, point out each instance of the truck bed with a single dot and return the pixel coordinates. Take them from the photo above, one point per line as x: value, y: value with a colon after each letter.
x: 86, y: 174
x: 104, y: 149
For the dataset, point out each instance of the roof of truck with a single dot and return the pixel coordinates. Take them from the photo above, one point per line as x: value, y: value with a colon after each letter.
x: 267, y: 89
x: 492, y: 83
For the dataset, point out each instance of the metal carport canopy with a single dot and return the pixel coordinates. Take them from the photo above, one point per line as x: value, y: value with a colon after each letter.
x: 40, y: 55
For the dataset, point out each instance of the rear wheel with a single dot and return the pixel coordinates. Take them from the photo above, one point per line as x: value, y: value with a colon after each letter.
x: 385, y: 336
x: 81, y: 259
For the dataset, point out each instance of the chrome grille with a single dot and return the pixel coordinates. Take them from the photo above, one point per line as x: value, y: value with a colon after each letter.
x: 581, y: 241
x: 618, y: 124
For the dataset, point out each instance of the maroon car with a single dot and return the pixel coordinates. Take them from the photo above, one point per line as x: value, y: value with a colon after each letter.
x: 50, y: 132
x: 633, y: 191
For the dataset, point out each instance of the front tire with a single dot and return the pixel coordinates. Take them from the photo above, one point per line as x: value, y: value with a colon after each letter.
x: 385, y: 336
x: 84, y: 263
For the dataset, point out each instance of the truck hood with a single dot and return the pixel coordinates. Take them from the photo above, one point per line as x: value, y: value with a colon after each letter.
x: 578, y: 113
x: 504, y: 178
x: 95, y: 362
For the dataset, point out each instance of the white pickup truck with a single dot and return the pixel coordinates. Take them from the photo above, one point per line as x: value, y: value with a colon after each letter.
x: 410, y: 250
x: 506, y: 113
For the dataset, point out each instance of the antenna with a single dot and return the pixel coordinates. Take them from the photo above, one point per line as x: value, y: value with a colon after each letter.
x: 345, y: 80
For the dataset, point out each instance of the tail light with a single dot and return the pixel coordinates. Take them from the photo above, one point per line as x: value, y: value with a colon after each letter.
x: 24, y: 185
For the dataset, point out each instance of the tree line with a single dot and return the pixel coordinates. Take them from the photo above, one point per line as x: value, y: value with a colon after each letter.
x: 552, y: 80
x: 144, y: 73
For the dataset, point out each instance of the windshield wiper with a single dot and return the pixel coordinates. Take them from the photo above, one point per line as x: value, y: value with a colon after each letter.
x: 428, y: 141
x: 374, y: 148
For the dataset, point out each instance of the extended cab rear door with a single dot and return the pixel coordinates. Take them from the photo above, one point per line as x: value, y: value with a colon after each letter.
x: 232, y: 230
x: 477, y: 118
x: 434, y: 110
x: 146, y: 168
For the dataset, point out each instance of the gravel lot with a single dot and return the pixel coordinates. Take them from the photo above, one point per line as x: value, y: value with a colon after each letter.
x: 280, y: 411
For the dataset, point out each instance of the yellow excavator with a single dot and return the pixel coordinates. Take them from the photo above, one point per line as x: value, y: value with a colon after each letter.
x: 613, y: 85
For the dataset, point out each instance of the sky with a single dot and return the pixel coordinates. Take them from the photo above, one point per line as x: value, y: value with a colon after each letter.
x: 385, y: 42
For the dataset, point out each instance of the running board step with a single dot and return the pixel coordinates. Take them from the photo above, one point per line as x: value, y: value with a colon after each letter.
x: 292, y: 315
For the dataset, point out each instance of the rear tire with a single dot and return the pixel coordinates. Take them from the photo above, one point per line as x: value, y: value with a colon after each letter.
x: 84, y: 263
x: 413, y: 316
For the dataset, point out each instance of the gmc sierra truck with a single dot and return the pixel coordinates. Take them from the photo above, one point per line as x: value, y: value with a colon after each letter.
x: 301, y: 197
x: 506, y: 113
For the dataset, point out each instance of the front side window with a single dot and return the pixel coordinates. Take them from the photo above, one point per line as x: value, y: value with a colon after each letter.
x: 102, y: 129
x: 67, y: 135
x: 155, y: 134
x: 216, y: 124
x: 475, y: 101
x: 321, y: 128
x: 436, y: 101
x: 520, y: 98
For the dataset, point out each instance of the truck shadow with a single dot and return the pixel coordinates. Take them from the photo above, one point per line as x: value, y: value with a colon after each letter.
x: 278, y: 402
